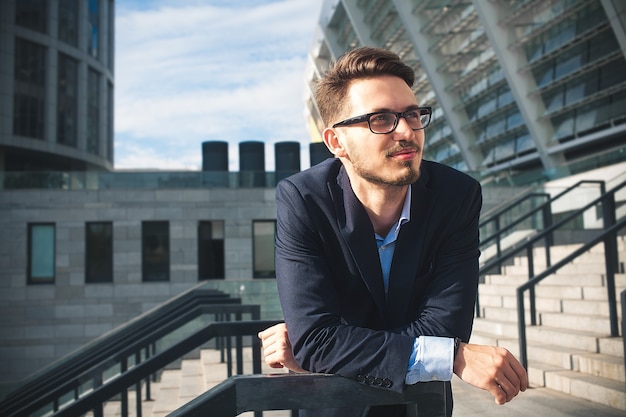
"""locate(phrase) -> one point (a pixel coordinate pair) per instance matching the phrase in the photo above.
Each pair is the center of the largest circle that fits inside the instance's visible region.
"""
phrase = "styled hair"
(356, 64)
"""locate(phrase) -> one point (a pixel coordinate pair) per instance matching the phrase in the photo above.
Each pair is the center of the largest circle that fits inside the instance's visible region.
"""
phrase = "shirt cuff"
(432, 359)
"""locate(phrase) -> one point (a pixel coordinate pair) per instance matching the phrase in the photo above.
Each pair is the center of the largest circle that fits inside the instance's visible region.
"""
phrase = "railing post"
(623, 299)
(521, 328)
(531, 292)
(147, 350)
(138, 386)
(610, 258)
(124, 394)
(547, 223)
(498, 246)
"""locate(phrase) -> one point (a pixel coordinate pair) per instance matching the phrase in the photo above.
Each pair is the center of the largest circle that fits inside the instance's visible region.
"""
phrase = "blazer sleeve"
(322, 340)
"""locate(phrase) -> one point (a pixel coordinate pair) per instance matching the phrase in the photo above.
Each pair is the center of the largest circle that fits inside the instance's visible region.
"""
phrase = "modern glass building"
(56, 85)
(517, 86)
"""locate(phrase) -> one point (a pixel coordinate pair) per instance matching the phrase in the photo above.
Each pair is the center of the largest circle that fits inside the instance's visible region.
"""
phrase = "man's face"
(383, 159)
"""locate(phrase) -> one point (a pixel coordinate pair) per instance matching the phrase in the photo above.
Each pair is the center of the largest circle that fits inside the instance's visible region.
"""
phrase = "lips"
(404, 152)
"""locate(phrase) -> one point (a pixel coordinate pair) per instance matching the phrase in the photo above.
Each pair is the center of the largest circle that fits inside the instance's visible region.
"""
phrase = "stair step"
(592, 388)
(575, 321)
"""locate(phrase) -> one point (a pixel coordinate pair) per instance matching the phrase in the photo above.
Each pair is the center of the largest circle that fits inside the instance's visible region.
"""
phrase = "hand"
(491, 368)
(277, 348)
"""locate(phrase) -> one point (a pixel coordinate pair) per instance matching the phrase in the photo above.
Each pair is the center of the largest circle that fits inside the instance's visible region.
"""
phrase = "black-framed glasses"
(382, 122)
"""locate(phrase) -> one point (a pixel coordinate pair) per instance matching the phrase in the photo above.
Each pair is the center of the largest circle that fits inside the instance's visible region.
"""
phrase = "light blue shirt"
(432, 357)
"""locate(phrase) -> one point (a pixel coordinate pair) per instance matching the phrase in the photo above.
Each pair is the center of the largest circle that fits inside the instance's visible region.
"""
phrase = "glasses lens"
(382, 122)
(417, 119)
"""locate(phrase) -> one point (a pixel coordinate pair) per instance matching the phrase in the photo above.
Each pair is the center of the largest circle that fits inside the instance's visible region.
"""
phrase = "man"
(377, 250)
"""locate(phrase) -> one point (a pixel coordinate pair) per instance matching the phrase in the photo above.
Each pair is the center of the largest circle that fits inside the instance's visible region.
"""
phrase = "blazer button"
(378, 382)
(360, 378)
(369, 380)
(387, 383)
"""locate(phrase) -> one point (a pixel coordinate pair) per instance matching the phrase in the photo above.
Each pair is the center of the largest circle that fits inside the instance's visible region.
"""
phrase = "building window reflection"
(155, 253)
(41, 253)
(68, 21)
(210, 250)
(67, 100)
(93, 110)
(99, 252)
(93, 40)
(263, 232)
(32, 14)
(29, 89)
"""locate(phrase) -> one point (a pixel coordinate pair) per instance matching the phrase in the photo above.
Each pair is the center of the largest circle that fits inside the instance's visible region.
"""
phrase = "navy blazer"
(330, 281)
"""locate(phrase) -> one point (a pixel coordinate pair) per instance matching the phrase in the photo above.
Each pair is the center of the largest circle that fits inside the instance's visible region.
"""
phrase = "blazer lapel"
(358, 233)
(408, 254)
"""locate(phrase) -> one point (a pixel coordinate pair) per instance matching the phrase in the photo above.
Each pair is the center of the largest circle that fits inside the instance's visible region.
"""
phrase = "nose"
(403, 131)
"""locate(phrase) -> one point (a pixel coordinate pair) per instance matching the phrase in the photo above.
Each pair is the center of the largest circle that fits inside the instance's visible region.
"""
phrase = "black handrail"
(244, 393)
(608, 208)
(103, 346)
(607, 200)
(94, 399)
(546, 211)
(605, 237)
(140, 335)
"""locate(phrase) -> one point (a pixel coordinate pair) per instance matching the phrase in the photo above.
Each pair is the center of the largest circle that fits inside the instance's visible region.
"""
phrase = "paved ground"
(535, 402)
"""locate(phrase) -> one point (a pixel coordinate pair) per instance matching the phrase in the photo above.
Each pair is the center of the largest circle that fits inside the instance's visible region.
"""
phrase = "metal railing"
(608, 235)
(544, 210)
(609, 239)
(257, 393)
(77, 373)
(494, 265)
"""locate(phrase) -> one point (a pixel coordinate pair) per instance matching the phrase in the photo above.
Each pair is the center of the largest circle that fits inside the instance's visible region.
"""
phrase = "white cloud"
(189, 74)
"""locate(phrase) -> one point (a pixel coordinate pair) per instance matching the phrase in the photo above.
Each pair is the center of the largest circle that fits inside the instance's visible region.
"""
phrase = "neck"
(383, 204)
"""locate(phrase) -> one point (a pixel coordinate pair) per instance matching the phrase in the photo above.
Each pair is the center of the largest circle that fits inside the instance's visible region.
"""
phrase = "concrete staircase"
(570, 350)
(180, 385)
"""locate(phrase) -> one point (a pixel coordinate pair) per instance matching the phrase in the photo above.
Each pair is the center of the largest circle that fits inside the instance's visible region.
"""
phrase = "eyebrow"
(411, 107)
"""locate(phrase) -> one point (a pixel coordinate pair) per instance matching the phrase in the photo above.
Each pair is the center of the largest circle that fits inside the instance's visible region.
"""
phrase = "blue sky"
(196, 70)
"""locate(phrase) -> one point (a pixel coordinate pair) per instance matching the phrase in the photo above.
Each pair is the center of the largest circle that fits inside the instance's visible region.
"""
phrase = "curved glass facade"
(515, 85)
(56, 85)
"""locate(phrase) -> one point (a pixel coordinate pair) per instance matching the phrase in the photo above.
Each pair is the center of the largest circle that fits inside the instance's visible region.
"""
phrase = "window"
(67, 100)
(29, 95)
(32, 14)
(93, 33)
(99, 252)
(263, 232)
(109, 127)
(68, 21)
(41, 253)
(155, 254)
(210, 250)
(93, 109)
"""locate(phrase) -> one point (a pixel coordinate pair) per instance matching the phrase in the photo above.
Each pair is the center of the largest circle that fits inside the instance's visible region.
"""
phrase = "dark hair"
(359, 63)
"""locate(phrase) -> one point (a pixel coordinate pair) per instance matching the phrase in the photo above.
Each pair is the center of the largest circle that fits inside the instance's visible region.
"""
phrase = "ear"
(333, 143)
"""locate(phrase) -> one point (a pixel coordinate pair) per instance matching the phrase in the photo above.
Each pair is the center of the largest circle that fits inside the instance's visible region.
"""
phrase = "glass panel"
(110, 130)
(514, 119)
(93, 33)
(41, 253)
(524, 143)
(210, 250)
(506, 97)
(263, 248)
(612, 74)
(29, 89)
(155, 237)
(563, 126)
(68, 21)
(32, 14)
(99, 252)
(93, 110)
(67, 100)
(554, 99)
